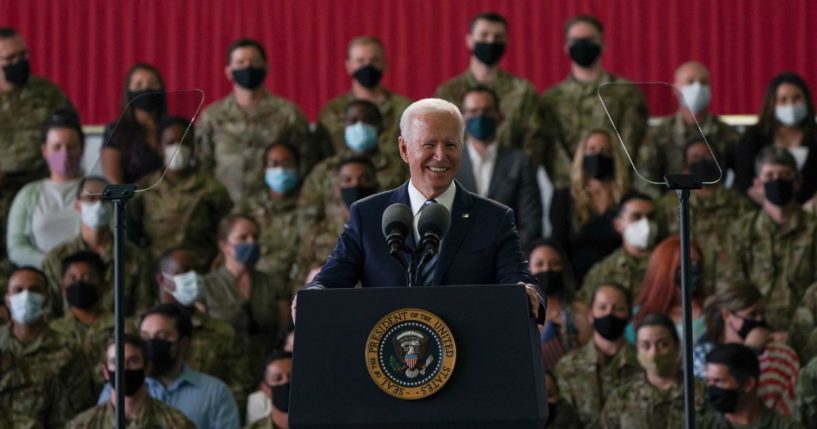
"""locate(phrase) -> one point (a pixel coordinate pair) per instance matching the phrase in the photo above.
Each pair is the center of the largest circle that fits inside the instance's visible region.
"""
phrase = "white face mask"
(95, 215)
(181, 159)
(640, 234)
(188, 287)
(790, 114)
(26, 307)
(696, 96)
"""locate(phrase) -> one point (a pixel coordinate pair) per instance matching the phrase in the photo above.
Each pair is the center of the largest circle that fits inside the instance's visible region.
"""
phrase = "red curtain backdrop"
(87, 45)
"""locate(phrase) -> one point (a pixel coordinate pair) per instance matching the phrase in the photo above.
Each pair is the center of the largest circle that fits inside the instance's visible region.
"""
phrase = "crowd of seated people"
(248, 203)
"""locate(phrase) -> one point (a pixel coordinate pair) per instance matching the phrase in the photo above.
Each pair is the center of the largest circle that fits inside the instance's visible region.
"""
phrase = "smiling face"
(432, 148)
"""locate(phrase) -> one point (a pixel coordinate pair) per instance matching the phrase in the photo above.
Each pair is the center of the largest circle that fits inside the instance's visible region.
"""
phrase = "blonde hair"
(365, 40)
(579, 180)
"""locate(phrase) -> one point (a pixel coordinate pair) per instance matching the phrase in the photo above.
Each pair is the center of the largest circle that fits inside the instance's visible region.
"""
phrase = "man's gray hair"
(774, 155)
(429, 105)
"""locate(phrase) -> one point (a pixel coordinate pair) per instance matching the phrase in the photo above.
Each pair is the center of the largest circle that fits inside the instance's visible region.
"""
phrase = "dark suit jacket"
(513, 183)
(481, 247)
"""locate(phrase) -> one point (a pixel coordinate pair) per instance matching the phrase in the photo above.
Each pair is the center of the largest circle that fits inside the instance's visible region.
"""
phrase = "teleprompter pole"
(118, 195)
(682, 184)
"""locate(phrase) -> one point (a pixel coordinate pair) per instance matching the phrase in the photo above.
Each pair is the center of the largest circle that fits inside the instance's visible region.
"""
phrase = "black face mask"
(723, 400)
(148, 100)
(368, 76)
(694, 278)
(585, 52)
(705, 169)
(159, 356)
(280, 397)
(18, 73)
(81, 294)
(489, 53)
(610, 327)
(134, 379)
(748, 325)
(249, 77)
(551, 282)
(779, 192)
(350, 195)
(551, 413)
(598, 166)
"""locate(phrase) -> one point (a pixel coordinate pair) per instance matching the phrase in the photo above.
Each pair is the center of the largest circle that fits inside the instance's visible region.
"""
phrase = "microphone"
(397, 224)
(433, 225)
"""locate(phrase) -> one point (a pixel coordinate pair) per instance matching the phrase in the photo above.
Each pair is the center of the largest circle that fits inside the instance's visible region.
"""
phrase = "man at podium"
(481, 245)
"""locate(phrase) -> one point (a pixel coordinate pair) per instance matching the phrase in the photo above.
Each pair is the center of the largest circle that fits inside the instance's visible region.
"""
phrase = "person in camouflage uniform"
(24, 403)
(655, 399)
(806, 407)
(560, 414)
(187, 203)
(25, 103)
(712, 209)
(141, 411)
(636, 222)
(669, 135)
(29, 339)
(587, 375)
(275, 210)
(775, 247)
(575, 101)
(214, 349)
(231, 133)
(732, 373)
(365, 64)
(96, 236)
(486, 39)
(354, 178)
(86, 323)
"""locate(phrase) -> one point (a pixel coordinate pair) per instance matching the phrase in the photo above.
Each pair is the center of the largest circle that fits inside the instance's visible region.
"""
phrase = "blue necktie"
(427, 272)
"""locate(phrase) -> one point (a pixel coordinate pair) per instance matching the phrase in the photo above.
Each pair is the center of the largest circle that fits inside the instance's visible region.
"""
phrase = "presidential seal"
(410, 353)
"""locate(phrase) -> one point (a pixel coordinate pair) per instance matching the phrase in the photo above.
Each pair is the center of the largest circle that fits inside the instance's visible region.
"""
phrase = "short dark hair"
(699, 139)
(741, 361)
(628, 296)
(291, 148)
(245, 43)
(366, 104)
(63, 118)
(661, 320)
(180, 316)
(356, 159)
(276, 354)
(85, 257)
(29, 268)
(8, 33)
(484, 89)
(487, 16)
(130, 339)
(586, 19)
(631, 196)
(164, 258)
(175, 121)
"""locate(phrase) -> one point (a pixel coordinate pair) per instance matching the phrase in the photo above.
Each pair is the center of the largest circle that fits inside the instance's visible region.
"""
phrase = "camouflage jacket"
(586, 378)
(639, 405)
(619, 267)
(183, 213)
(769, 420)
(154, 415)
(27, 404)
(231, 140)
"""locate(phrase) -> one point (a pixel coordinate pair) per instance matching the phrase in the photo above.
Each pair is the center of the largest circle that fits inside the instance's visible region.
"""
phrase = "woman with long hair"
(736, 314)
(786, 120)
(130, 145)
(661, 291)
(582, 215)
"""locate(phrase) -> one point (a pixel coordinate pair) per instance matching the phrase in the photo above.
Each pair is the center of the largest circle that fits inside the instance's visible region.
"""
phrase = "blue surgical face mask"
(247, 254)
(482, 127)
(360, 137)
(281, 180)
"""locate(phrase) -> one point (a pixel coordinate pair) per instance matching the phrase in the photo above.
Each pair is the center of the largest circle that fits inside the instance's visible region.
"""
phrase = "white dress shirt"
(418, 199)
(482, 165)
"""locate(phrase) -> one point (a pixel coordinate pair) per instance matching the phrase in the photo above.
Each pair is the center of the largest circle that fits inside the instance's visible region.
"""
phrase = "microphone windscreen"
(434, 218)
(397, 217)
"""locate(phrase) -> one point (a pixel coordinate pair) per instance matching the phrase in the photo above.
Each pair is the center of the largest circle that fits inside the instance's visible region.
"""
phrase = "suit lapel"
(461, 221)
(466, 174)
(498, 175)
